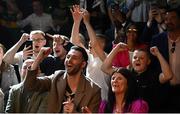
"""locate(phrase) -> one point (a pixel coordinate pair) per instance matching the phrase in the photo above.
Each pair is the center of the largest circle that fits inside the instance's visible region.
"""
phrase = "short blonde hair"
(37, 32)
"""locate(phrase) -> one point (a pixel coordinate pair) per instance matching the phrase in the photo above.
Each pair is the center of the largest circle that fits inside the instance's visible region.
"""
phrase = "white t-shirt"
(95, 73)
(19, 55)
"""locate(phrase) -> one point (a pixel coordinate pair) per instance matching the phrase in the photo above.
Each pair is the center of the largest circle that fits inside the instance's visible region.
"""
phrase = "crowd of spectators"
(107, 56)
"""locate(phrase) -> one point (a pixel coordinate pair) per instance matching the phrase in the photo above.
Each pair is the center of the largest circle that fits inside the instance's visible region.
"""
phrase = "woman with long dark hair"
(122, 94)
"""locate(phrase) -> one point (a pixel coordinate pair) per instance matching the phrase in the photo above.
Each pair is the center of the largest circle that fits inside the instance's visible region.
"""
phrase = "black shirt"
(50, 64)
(149, 88)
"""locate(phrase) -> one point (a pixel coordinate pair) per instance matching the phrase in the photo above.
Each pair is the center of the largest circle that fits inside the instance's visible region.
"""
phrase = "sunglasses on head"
(132, 30)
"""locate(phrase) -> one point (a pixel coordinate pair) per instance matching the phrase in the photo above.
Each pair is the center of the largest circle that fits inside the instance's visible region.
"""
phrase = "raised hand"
(86, 16)
(44, 52)
(24, 37)
(152, 14)
(154, 50)
(122, 46)
(76, 13)
(158, 18)
(57, 38)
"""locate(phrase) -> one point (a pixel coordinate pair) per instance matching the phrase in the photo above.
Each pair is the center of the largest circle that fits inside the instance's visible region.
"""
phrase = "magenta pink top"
(137, 106)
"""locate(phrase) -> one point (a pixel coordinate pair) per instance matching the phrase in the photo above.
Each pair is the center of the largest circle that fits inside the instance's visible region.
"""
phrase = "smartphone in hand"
(28, 43)
(154, 8)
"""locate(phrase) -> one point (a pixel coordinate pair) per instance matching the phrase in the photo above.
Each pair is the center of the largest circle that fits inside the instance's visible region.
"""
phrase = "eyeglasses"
(38, 40)
(173, 47)
(132, 30)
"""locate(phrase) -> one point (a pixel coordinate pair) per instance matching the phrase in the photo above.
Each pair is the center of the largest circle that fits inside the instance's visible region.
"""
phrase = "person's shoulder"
(160, 36)
(19, 54)
(102, 106)
(9, 68)
(46, 15)
(139, 106)
(159, 39)
(49, 58)
(31, 16)
(48, 62)
(17, 86)
(58, 74)
(91, 88)
(92, 84)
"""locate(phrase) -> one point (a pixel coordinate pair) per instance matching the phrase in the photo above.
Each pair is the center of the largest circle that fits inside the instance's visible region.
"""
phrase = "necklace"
(173, 43)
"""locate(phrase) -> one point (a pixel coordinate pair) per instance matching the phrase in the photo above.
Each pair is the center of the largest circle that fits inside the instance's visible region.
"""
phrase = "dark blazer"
(149, 32)
(87, 94)
(161, 41)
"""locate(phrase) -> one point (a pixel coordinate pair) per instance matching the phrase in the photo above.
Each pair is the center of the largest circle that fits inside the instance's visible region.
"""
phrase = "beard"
(172, 27)
(73, 70)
